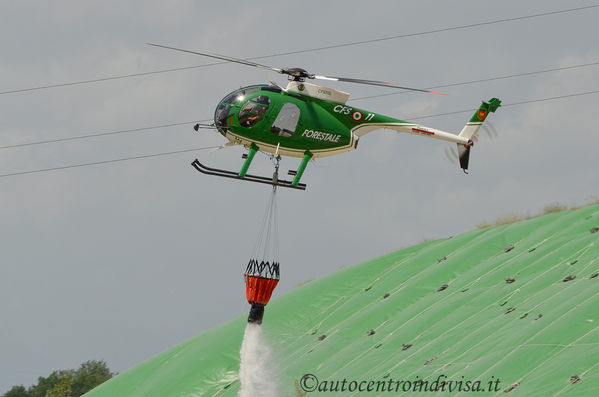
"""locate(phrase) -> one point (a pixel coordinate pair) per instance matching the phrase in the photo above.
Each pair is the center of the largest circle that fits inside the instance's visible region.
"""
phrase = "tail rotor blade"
(451, 154)
(490, 130)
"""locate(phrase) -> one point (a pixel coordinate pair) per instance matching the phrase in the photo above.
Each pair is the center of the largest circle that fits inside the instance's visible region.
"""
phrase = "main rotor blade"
(221, 57)
(373, 82)
(296, 73)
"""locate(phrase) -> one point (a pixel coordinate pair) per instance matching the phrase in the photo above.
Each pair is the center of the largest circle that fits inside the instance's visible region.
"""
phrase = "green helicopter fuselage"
(291, 123)
(310, 121)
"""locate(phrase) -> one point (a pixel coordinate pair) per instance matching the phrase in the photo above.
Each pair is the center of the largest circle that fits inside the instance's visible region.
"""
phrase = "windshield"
(240, 94)
(253, 111)
(224, 107)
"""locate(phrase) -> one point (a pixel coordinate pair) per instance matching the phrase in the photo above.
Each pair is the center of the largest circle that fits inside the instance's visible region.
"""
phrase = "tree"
(62, 389)
(67, 382)
(17, 391)
(89, 375)
(44, 385)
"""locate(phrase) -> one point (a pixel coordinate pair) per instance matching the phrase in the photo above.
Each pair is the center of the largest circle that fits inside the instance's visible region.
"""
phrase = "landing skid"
(250, 178)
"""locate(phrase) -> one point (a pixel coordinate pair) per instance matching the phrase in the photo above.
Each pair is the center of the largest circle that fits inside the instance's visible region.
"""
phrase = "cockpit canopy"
(251, 113)
(240, 94)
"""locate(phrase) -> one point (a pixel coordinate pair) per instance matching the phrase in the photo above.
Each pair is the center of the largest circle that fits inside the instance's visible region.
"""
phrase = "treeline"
(66, 382)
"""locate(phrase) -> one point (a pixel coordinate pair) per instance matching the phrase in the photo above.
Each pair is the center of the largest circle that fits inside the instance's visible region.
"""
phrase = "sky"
(119, 261)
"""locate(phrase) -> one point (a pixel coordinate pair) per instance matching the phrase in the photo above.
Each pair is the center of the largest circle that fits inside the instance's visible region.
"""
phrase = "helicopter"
(309, 121)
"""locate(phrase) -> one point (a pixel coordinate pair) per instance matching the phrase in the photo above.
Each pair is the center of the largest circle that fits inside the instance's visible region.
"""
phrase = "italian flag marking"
(357, 115)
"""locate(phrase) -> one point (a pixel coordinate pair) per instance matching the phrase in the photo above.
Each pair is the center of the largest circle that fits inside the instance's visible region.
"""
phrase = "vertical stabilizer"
(472, 127)
(479, 117)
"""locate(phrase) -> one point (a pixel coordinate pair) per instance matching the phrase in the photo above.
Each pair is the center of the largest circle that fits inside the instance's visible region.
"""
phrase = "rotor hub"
(298, 74)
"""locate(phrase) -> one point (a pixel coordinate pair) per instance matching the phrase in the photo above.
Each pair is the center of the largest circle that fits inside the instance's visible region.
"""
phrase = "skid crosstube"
(250, 178)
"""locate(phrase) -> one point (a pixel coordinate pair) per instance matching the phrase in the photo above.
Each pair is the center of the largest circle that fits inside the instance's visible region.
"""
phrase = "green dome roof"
(514, 307)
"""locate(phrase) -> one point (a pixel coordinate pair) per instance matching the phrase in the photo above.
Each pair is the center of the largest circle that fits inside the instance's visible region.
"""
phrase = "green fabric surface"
(536, 332)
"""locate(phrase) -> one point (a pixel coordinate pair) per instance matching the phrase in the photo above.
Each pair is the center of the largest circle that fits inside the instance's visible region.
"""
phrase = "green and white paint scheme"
(310, 121)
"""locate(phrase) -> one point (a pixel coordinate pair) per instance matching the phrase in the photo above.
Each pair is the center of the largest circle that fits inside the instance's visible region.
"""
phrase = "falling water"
(255, 373)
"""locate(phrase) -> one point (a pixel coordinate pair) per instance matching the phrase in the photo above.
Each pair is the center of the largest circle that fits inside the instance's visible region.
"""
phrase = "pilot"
(249, 117)
(263, 100)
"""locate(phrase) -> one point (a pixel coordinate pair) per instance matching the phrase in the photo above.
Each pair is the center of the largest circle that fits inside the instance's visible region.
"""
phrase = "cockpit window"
(286, 121)
(253, 111)
(220, 117)
(223, 114)
(240, 95)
